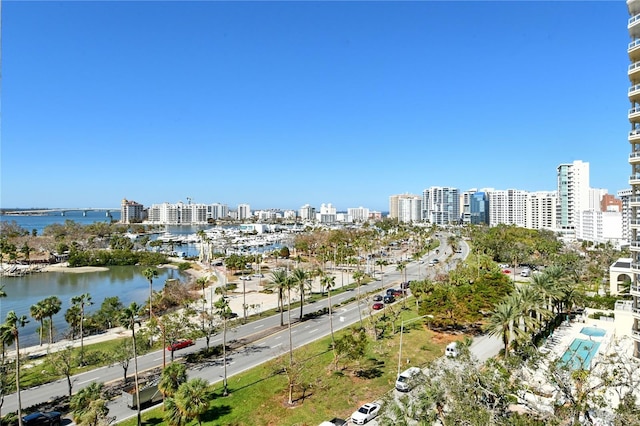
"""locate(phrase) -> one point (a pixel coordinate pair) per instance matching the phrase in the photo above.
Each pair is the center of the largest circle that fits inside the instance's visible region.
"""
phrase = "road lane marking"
(275, 346)
(258, 326)
(313, 331)
(87, 381)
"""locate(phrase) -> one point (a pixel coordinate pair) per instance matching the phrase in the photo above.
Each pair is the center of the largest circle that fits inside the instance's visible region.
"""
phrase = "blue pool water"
(593, 331)
(580, 353)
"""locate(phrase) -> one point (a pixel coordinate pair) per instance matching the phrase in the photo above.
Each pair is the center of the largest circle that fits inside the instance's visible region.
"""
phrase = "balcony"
(635, 311)
(635, 290)
(634, 93)
(634, 70)
(634, 179)
(634, 157)
(634, 114)
(634, 26)
(635, 334)
(634, 201)
(634, 50)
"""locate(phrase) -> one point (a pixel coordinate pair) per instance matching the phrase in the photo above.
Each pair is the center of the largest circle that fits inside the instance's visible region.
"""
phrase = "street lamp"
(402, 332)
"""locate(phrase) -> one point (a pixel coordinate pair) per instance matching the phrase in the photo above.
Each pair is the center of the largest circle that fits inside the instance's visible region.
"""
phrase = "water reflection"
(126, 282)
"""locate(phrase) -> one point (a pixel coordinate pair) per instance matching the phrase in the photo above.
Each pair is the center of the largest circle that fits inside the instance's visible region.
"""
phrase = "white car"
(365, 413)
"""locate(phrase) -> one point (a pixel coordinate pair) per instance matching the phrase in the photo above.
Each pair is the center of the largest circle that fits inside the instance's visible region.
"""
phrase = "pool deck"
(557, 344)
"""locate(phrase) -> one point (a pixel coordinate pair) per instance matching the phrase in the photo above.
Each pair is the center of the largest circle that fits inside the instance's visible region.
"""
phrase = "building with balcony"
(574, 195)
(508, 207)
(131, 212)
(307, 212)
(633, 51)
(479, 208)
(441, 205)
(405, 207)
(244, 211)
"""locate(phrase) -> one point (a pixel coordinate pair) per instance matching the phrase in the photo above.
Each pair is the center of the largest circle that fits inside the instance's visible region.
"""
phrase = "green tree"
(122, 354)
(501, 323)
(150, 274)
(37, 313)
(328, 282)
(12, 325)
(88, 406)
(128, 320)
(51, 306)
(278, 282)
(81, 302)
(62, 362)
(172, 376)
(300, 279)
(192, 399)
(223, 310)
(358, 276)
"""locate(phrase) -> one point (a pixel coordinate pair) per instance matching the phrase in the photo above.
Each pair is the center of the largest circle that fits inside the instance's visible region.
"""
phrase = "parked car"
(390, 291)
(405, 380)
(525, 273)
(258, 275)
(365, 413)
(451, 350)
(405, 284)
(48, 418)
(398, 292)
(377, 298)
(180, 344)
(377, 306)
(388, 299)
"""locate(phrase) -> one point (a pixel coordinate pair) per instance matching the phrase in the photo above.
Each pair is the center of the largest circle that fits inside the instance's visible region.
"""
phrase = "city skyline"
(282, 104)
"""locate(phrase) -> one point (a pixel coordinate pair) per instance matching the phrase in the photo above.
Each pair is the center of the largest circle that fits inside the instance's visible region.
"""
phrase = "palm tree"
(222, 308)
(300, 279)
(289, 283)
(171, 378)
(192, 399)
(12, 326)
(82, 301)
(37, 313)
(358, 276)
(381, 263)
(88, 406)
(279, 283)
(150, 274)
(2, 295)
(52, 305)
(328, 281)
(531, 306)
(501, 323)
(128, 320)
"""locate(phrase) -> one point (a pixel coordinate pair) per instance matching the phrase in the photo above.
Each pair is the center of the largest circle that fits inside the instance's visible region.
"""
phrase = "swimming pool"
(580, 353)
(593, 331)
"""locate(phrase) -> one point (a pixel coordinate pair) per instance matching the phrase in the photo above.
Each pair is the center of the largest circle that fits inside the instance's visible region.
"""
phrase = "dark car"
(390, 291)
(377, 306)
(180, 344)
(377, 298)
(405, 284)
(389, 299)
(49, 418)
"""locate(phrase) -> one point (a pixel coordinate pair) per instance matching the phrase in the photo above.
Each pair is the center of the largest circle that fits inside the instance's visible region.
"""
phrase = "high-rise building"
(541, 210)
(573, 196)
(441, 205)
(403, 207)
(625, 196)
(479, 208)
(327, 214)
(244, 211)
(610, 203)
(217, 211)
(131, 212)
(508, 207)
(465, 205)
(358, 214)
(634, 160)
(307, 212)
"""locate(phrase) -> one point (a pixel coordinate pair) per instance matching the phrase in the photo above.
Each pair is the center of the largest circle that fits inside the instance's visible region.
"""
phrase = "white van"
(451, 350)
(405, 380)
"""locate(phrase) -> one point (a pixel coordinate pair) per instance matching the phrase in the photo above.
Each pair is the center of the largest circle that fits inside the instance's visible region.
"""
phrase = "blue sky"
(279, 104)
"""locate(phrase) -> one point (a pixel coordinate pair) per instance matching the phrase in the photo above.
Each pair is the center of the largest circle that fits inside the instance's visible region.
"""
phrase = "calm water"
(40, 222)
(126, 282)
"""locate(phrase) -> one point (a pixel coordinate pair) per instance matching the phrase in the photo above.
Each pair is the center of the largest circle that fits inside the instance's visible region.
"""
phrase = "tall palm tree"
(37, 312)
(278, 282)
(52, 305)
(222, 308)
(150, 274)
(531, 306)
(13, 325)
(3, 294)
(82, 301)
(328, 282)
(358, 275)
(300, 279)
(289, 283)
(128, 320)
(501, 323)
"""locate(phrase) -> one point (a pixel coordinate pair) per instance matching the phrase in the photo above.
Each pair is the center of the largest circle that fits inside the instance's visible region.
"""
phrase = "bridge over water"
(62, 211)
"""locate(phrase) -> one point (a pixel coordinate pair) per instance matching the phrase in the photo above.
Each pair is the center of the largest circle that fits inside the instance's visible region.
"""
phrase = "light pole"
(402, 332)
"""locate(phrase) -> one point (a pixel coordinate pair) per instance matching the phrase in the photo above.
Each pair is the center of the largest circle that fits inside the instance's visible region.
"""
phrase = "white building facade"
(508, 206)
(441, 205)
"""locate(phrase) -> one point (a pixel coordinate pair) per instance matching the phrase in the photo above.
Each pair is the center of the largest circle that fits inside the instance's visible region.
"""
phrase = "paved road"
(257, 352)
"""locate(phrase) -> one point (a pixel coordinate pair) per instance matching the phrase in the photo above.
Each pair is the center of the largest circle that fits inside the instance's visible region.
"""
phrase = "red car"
(180, 344)
(377, 306)
(506, 271)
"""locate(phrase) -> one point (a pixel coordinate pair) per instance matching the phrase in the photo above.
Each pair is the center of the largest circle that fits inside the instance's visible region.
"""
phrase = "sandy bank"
(64, 267)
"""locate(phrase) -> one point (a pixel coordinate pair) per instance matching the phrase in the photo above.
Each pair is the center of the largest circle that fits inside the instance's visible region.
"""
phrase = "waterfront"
(39, 222)
(126, 282)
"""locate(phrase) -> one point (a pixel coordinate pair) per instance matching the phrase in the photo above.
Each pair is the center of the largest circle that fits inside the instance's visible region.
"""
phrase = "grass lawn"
(260, 396)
